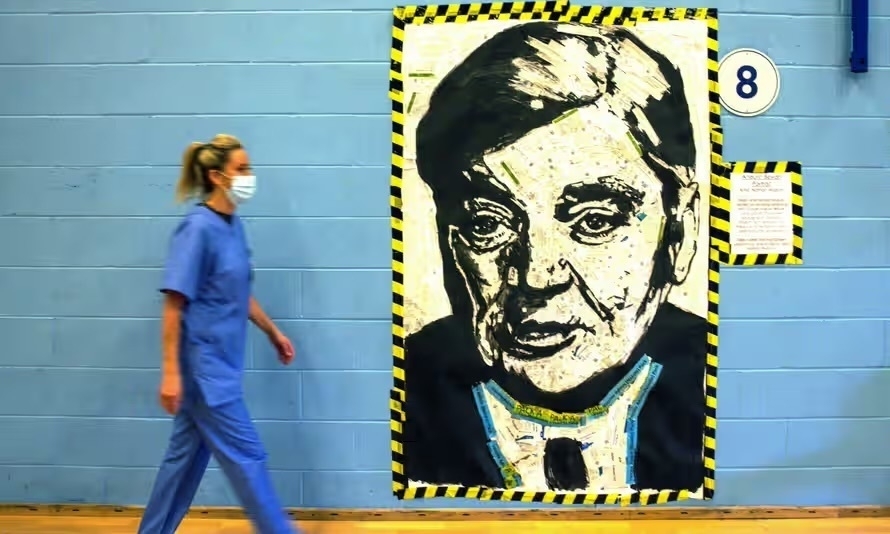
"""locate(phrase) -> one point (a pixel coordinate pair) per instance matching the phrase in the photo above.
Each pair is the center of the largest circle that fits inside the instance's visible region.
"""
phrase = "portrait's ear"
(683, 250)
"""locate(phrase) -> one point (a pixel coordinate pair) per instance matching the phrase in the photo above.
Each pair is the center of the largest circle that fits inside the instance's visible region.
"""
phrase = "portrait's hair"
(527, 76)
(512, 84)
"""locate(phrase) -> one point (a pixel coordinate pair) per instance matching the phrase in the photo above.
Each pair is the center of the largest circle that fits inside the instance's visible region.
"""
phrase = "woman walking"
(207, 303)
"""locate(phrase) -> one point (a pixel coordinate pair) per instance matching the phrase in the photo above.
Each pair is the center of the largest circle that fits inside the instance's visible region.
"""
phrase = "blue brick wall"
(99, 97)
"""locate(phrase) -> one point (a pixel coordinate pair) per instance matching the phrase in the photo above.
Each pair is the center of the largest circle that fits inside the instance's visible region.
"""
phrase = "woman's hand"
(171, 392)
(283, 347)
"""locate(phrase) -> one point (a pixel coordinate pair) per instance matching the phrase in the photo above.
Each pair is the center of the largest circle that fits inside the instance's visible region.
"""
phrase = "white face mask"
(242, 190)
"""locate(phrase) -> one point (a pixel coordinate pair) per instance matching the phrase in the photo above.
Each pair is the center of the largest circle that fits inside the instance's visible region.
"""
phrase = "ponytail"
(191, 177)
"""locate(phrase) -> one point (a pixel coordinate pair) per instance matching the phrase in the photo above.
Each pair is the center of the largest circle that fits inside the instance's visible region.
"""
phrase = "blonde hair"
(198, 160)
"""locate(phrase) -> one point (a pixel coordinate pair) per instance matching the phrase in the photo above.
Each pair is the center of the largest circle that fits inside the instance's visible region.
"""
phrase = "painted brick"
(354, 243)
(735, 451)
(101, 342)
(288, 243)
(767, 344)
(66, 292)
(846, 192)
(838, 442)
(346, 294)
(149, 6)
(276, 140)
(831, 92)
(124, 486)
(127, 393)
(282, 191)
(135, 343)
(136, 90)
(795, 293)
(367, 398)
(817, 40)
(79, 292)
(26, 341)
(797, 487)
(798, 393)
(85, 242)
(280, 293)
(90, 442)
(295, 243)
(818, 141)
(329, 345)
(850, 243)
(172, 38)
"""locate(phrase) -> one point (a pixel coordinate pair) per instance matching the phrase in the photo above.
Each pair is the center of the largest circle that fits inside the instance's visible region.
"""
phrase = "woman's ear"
(216, 177)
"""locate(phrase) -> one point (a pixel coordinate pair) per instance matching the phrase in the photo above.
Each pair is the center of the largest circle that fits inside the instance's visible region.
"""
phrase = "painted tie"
(564, 466)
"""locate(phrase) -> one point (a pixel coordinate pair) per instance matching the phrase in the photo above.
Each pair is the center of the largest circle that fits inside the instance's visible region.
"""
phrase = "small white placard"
(760, 217)
(749, 82)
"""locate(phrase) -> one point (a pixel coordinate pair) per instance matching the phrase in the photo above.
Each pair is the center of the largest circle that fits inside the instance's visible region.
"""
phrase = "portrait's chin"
(563, 369)
(549, 376)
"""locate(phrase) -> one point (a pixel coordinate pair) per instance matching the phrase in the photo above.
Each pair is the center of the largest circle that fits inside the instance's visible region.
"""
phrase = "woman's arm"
(282, 344)
(171, 325)
(261, 320)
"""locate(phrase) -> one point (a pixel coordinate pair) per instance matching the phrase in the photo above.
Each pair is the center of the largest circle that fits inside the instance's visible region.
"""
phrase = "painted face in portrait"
(558, 258)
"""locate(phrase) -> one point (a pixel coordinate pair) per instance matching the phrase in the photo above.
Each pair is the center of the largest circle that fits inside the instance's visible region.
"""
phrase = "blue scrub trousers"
(227, 432)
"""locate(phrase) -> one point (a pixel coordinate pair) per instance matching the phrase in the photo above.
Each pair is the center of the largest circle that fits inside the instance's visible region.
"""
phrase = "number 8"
(747, 76)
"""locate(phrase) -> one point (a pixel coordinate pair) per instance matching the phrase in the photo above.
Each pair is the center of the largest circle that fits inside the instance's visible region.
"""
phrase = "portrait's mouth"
(531, 340)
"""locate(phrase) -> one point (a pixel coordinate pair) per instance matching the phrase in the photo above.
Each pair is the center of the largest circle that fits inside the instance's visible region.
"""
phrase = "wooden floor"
(37, 524)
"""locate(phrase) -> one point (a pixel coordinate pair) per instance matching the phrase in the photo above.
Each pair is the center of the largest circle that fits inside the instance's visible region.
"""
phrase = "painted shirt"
(604, 436)
(209, 264)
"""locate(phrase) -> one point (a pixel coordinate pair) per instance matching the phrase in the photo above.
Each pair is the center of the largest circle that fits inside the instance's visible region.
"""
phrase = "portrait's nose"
(546, 267)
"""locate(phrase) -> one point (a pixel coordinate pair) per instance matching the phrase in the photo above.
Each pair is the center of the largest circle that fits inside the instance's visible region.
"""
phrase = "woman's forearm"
(171, 324)
(260, 319)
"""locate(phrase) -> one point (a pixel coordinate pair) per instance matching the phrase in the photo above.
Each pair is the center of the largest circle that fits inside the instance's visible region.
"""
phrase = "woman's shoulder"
(194, 225)
(197, 216)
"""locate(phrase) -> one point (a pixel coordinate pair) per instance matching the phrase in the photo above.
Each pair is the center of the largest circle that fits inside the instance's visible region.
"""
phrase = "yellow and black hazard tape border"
(721, 206)
(542, 10)
(459, 13)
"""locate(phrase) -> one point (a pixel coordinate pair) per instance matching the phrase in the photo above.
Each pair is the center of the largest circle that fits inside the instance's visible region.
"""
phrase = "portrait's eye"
(596, 225)
(487, 227)
(484, 226)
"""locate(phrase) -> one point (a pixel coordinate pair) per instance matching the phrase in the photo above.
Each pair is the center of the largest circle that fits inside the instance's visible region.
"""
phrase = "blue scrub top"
(209, 264)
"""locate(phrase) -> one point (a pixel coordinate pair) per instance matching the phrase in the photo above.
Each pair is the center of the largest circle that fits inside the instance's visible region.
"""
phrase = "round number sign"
(749, 82)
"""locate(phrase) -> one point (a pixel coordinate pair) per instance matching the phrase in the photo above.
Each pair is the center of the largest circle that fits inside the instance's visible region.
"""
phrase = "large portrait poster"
(555, 298)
